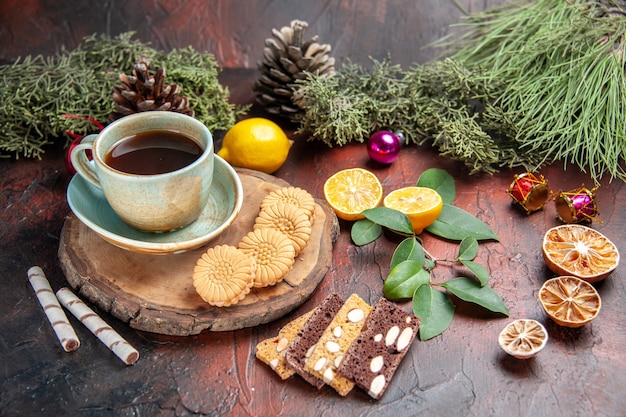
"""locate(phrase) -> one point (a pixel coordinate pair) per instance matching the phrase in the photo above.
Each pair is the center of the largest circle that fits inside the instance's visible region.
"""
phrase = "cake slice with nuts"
(302, 347)
(335, 341)
(375, 355)
(272, 351)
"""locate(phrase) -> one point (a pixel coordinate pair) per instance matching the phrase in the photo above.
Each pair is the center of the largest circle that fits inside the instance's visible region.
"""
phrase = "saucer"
(90, 205)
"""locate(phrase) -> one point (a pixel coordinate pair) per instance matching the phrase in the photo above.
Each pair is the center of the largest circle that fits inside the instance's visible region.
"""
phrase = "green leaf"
(434, 308)
(468, 249)
(440, 181)
(365, 231)
(477, 269)
(390, 218)
(469, 290)
(404, 279)
(456, 224)
(408, 249)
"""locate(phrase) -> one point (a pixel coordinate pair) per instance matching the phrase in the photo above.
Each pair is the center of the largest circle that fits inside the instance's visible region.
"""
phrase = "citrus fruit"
(421, 205)
(573, 249)
(569, 301)
(523, 338)
(255, 143)
(352, 190)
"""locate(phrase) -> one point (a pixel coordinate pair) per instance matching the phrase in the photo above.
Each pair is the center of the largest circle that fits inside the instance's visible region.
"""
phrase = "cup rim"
(153, 114)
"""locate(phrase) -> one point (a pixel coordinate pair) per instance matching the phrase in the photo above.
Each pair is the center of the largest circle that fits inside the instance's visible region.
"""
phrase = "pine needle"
(561, 65)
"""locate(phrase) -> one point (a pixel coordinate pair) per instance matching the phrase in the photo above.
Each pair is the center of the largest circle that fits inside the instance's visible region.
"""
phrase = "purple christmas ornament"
(384, 146)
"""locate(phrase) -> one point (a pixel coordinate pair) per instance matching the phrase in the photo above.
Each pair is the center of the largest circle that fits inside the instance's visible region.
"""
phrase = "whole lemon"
(256, 143)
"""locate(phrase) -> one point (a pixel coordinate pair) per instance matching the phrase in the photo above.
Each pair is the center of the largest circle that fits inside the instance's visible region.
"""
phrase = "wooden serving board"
(155, 293)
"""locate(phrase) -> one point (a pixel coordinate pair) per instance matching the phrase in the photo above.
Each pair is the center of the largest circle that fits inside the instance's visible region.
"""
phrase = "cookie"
(272, 351)
(290, 220)
(373, 358)
(273, 253)
(300, 349)
(335, 342)
(223, 275)
(294, 196)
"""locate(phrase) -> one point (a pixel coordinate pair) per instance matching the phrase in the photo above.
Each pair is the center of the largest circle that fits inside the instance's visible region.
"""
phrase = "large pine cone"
(143, 91)
(286, 59)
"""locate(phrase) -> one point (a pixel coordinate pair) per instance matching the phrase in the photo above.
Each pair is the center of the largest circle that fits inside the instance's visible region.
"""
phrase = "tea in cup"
(155, 168)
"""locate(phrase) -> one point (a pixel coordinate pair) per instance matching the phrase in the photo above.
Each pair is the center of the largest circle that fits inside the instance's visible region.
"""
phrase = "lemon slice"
(351, 191)
(580, 251)
(421, 205)
(569, 301)
(523, 338)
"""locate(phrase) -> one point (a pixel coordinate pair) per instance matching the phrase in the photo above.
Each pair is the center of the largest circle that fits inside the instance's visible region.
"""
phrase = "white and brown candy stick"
(116, 343)
(55, 314)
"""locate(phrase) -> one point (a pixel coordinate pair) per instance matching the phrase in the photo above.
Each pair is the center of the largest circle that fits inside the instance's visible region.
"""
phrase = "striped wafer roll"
(55, 314)
(116, 343)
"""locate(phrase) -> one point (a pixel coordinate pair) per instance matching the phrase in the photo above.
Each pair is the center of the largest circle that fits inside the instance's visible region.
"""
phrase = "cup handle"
(80, 162)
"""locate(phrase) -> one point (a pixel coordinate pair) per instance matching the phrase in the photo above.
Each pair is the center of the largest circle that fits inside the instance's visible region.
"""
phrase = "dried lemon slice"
(291, 195)
(569, 301)
(290, 220)
(523, 338)
(273, 252)
(580, 251)
(223, 275)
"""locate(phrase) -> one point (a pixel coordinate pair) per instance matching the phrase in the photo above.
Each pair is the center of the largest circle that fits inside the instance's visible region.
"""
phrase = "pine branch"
(443, 104)
(38, 91)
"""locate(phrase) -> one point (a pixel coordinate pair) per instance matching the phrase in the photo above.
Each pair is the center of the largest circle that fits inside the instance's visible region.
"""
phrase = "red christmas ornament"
(576, 206)
(529, 191)
(384, 146)
(77, 138)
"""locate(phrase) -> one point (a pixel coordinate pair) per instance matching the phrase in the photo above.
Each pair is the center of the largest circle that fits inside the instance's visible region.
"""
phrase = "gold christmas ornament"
(287, 57)
(143, 91)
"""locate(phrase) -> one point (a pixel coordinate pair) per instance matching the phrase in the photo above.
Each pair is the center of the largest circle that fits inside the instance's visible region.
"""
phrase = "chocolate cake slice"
(300, 349)
(374, 356)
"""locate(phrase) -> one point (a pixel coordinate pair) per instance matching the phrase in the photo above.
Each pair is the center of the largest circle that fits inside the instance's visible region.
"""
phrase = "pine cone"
(145, 92)
(286, 59)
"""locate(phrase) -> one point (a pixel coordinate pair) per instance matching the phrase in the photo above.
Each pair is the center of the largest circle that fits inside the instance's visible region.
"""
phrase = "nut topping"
(282, 344)
(377, 386)
(405, 339)
(392, 335)
(377, 364)
(337, 331)
(356, 315)
(332, 347)
(319, 364)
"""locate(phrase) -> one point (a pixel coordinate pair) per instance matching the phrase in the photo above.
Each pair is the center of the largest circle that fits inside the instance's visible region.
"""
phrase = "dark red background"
(581, 372)
(235, 30)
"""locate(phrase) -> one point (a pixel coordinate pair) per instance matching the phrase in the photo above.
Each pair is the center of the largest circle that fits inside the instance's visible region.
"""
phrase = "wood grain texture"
(155, 293)
(235, 30)
(463, 372)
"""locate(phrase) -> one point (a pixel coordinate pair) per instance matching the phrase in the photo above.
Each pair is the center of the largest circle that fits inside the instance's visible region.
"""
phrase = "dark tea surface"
(153, 152)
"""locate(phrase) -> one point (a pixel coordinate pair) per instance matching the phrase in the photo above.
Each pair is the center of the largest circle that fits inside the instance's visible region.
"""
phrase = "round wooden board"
(155, 292)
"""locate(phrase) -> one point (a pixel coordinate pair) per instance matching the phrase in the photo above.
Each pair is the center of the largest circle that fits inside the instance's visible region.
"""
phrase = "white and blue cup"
(160, 202)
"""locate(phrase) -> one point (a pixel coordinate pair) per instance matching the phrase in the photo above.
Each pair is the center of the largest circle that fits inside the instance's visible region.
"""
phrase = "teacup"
(155, 168)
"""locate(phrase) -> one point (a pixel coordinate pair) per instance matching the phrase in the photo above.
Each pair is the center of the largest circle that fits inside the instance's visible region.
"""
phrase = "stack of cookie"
(224, 274)
(343, 344)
